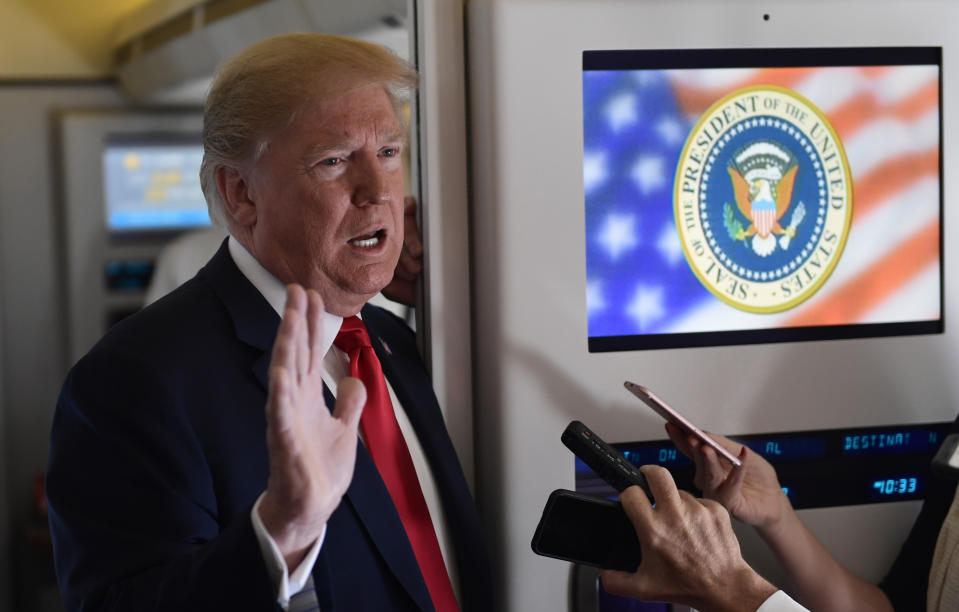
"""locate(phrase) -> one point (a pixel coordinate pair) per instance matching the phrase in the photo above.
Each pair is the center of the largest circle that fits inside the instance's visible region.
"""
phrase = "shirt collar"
(273, 290)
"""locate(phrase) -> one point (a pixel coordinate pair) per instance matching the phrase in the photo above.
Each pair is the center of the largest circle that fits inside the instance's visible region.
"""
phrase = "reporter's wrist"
(747, 590)
(782, 526)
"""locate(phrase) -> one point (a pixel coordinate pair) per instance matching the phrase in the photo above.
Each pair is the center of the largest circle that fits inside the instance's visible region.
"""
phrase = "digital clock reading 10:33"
(895, 486)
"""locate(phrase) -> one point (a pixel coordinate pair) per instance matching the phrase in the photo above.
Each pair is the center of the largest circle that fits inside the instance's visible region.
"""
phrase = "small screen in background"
(152, 184)
(761, 195)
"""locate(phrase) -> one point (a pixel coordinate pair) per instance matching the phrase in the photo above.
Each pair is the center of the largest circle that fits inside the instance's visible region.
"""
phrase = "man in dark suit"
(170, 487)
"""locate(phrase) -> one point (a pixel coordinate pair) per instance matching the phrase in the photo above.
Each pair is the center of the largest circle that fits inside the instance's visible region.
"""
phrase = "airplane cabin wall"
(31, 271)
(533, 369)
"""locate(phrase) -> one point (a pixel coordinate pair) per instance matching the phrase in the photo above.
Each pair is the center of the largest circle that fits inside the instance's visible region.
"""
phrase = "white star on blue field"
(638, 281)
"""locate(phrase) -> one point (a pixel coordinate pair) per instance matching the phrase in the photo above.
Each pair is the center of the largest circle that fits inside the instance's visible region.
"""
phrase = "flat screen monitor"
(739, 196)
(152, 184)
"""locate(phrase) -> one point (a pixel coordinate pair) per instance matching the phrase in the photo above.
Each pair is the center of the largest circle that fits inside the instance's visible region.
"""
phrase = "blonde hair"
(260, 91)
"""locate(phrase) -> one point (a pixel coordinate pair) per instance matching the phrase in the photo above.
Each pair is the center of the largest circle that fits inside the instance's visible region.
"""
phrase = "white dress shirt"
(336, 366)
(780, 602)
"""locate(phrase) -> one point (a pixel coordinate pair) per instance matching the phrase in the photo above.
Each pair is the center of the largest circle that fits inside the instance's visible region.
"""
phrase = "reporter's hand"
(402, 288)
(312, 452)
(690, 554)
(751, 492)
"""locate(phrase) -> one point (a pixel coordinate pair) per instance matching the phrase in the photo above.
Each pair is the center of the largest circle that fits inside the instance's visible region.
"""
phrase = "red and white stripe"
(764, 221)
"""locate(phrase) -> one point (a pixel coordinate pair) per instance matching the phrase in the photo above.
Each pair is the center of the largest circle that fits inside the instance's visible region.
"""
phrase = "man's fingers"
(410, 264)
(408, 267)
(283, 364)
(295, 300)
(350, 399)
(301, 340)
(293, 332)
(402, 288)
(409, 205)
(314, 317)
(279, 413)
(284, 347)
(411, 231)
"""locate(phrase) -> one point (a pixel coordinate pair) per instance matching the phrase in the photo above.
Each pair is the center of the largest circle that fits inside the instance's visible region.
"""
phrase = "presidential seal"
(763, 199)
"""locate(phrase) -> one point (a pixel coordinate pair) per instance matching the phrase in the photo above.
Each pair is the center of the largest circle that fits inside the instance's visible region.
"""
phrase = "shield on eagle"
(763, 174)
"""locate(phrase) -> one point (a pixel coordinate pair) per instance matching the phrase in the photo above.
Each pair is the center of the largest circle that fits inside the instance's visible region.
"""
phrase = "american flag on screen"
(636, 123)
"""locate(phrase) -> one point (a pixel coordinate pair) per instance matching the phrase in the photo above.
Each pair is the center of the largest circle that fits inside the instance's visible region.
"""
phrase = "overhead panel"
(165, 56)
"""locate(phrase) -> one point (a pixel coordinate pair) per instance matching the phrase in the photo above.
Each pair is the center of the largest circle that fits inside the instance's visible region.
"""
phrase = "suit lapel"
(254, 320)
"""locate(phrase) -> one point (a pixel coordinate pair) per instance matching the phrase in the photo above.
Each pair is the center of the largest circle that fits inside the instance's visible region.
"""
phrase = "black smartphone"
(608, 463)
(587, 529)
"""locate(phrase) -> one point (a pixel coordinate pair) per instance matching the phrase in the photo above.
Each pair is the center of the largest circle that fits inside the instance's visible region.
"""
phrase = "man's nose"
(371, 182)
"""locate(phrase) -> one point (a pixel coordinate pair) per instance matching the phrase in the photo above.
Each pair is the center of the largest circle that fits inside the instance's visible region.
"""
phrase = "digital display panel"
(760, 195)
(152, 183)
(819, 468)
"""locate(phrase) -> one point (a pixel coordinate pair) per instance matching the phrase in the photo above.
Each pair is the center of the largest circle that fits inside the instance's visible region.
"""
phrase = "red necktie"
(386, 445)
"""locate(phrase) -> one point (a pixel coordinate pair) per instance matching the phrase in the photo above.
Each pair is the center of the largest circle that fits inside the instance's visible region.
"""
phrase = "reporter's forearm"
(819, 581)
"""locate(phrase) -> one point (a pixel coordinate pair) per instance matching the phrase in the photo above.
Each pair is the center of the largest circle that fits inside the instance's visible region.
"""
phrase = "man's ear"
(235, 191)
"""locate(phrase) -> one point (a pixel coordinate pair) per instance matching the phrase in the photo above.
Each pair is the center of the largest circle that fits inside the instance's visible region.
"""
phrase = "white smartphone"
(662, 409)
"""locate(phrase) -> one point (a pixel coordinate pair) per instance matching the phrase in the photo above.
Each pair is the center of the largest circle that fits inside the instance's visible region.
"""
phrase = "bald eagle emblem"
(763, 174)
(763, 199)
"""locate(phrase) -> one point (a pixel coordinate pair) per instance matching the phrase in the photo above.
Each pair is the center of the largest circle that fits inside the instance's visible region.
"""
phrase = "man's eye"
(333, 161)
(391, 152)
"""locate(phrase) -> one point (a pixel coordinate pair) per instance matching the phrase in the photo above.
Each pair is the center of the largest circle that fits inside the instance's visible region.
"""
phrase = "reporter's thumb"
(729, 489)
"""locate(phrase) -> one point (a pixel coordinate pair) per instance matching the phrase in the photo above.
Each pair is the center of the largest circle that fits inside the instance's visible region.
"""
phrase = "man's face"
(329, 199)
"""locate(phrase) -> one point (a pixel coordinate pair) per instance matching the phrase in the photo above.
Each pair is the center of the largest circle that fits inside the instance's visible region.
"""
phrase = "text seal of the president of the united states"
(763, 199)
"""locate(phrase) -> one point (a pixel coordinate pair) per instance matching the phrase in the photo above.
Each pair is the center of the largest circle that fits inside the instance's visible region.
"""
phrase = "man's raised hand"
(312, 452)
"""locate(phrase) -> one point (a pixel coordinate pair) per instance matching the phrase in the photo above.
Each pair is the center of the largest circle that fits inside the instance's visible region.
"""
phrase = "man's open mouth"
(367, 241)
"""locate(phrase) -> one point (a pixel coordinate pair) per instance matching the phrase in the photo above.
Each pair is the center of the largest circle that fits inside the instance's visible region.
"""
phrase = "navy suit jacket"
(158, 452)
